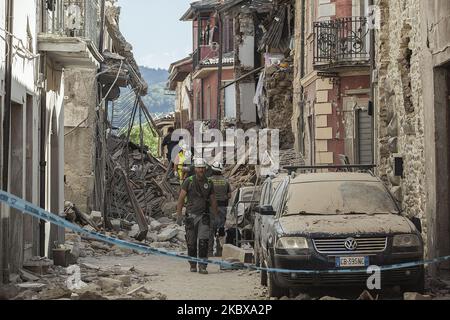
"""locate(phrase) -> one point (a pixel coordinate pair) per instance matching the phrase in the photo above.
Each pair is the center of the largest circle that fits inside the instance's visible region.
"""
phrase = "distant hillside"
(157, 101)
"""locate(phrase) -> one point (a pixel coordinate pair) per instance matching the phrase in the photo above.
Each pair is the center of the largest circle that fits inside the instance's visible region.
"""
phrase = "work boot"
(202, 270)
(193, 267)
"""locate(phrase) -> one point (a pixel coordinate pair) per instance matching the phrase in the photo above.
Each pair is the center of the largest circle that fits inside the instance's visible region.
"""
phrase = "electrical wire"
(101, 102)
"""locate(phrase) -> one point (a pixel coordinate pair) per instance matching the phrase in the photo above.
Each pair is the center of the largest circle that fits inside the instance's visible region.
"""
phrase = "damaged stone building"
(413, 117)
(57, 80)
(332, 122)
(254, 89)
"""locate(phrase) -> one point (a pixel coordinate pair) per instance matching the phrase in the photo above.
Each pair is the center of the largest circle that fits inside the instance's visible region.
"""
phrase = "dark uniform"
(221, 188)
(198, 220)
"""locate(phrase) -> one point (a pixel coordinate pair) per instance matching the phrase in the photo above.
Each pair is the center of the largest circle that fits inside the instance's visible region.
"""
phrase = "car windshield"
(339, 198)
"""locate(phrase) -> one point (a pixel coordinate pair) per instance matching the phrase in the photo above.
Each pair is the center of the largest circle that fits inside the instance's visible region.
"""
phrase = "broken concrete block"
(122, 251)
(100, 246)
(232, 252)
(303, 296)
(152, 237)
(89, 228)
(32, 286)
(167, 234)
(28, 276)
(109, 285)
(96, 217)
(134, 231)
(116, 225)
(165, 220)
(155, 225)
(330, 298)
(181, 236)
(160, 245)
(415, 296)
(89, 266)
(122, 235)
(126, 280)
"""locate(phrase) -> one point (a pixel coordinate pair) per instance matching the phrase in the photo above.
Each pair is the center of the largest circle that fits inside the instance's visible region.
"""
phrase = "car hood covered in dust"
(345, 224)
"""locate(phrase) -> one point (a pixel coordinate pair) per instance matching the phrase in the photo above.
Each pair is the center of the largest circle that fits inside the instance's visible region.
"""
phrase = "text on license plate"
(343, 262)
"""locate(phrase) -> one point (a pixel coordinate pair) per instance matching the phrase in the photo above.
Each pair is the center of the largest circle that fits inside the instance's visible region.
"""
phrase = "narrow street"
(307, 141)
(171, 277)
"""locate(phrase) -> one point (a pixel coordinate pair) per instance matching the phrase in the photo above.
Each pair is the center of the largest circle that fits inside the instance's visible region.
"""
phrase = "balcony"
(206, 60)
(341, 43)
(71, 32)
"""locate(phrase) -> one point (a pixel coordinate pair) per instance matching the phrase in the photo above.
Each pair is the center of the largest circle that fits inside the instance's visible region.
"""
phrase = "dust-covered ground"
(171, 277)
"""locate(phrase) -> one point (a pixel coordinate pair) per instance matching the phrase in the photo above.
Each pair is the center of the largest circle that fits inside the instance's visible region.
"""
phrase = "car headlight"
(292, 243)
(406, 241)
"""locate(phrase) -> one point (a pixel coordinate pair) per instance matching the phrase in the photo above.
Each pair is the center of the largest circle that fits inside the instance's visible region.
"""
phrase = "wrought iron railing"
(73, 18)
(342, 41)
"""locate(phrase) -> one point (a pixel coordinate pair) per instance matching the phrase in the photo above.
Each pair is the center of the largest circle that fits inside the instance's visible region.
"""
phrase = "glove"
(180, 221)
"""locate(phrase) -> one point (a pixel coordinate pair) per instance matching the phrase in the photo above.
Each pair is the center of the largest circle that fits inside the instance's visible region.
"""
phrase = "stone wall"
(400, 103)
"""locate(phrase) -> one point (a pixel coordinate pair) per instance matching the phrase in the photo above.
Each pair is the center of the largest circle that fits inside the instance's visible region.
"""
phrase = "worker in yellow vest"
(182, 161)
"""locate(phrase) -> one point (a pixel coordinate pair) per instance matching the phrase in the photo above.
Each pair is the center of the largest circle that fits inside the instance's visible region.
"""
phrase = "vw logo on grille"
(351, 244)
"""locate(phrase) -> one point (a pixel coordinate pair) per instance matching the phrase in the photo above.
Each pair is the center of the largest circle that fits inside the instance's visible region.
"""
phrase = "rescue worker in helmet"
(223, 193)
(200, 194)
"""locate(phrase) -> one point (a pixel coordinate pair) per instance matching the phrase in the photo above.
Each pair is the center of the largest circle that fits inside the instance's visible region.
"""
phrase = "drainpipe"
(372, 85)
(7, 133)
(42, 162)
(219, 76)
(302, 75)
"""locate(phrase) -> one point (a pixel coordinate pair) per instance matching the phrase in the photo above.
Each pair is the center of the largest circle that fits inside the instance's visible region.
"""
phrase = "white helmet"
(217, 167)
(200, 163)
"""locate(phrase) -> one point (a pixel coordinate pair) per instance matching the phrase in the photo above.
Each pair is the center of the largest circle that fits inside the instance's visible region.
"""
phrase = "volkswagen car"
(337, 221)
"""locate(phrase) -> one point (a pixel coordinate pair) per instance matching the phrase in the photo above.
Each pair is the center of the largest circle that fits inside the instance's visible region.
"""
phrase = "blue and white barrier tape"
(33, 210)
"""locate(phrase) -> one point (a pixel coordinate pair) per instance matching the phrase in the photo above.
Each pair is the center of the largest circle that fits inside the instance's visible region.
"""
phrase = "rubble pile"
(95, 283)
(146, 177)
(163, 233)
(278, 99)
(240, 176)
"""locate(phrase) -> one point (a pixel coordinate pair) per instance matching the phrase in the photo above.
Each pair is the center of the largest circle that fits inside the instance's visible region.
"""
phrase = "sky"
(154, 29)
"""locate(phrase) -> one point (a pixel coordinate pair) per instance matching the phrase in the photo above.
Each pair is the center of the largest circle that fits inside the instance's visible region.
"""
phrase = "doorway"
(442, 119)
(17, 162)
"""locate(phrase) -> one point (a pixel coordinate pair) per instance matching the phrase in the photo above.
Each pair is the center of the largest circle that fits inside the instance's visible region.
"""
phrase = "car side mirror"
(265, 210)
(417, 223)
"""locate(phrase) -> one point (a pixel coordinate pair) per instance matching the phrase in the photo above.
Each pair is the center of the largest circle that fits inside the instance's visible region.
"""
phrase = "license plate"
(345, 262)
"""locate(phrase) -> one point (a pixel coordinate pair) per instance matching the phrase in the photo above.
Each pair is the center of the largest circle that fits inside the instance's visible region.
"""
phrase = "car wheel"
(263, 274)
(275, 291)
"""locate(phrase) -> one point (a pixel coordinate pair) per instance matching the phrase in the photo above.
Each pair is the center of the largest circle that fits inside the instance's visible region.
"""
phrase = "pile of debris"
(163, 233)
(241, 175)
(93, 283)
(278, 85)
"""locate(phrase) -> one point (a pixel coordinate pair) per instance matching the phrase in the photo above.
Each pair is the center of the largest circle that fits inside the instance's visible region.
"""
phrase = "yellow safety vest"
(181, 161)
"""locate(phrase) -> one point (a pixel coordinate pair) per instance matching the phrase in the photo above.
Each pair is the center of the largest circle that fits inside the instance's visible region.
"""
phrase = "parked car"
(267, 190)
(242, 203)
(337, 221)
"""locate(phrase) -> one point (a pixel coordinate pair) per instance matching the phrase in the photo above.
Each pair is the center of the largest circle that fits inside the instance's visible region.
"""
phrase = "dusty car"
(241, 214)
(267, 190)
(337, 221)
